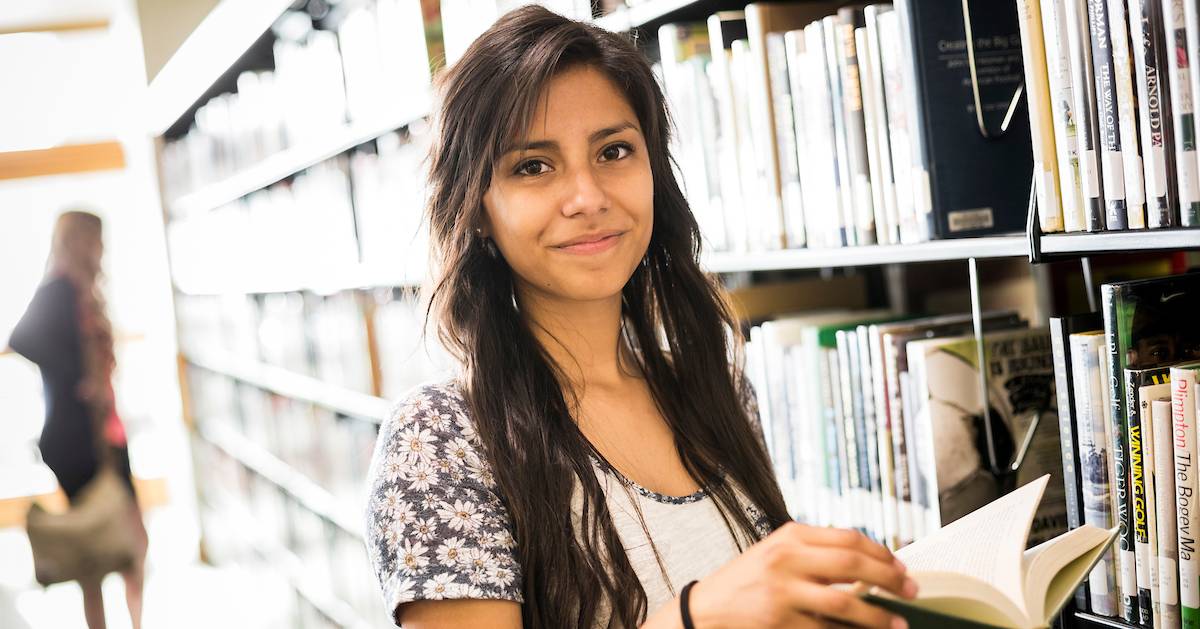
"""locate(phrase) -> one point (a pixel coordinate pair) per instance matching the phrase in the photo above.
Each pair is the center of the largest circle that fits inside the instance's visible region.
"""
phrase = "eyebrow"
(551, 144)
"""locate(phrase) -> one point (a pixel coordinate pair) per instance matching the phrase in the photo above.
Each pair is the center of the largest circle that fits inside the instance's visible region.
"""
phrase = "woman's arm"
(47, 327)
(458, 614)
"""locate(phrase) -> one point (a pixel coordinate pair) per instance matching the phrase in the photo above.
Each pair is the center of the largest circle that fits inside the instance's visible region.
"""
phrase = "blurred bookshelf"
(291, 148)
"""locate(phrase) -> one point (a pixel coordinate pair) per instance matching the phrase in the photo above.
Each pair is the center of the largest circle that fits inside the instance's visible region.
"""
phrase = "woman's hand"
(783, 581)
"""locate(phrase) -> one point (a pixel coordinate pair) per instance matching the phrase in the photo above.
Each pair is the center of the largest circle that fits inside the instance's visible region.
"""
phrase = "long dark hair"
(673, 315)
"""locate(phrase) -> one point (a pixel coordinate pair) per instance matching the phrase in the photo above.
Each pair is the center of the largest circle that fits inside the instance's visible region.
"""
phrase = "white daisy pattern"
(436, 527)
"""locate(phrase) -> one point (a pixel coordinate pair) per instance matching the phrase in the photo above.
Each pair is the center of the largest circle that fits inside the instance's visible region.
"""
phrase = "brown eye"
(616, 151)
(531, 167)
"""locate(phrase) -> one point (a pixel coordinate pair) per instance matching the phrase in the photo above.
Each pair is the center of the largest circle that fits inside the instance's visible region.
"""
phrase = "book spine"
(785, 141)
(1064, 114)
(760, 113)
(1112, 164)
(757, 206)
(1089, 387)
(897, 126)
(801, 82)
(833, 54)
(1183, 111)
(1137, 481)
(895, 404)
(1183, 418)
(732, 201)
(1192, 20)
(1041, 126)
(1120, 456)
(1079, 44)
(1068, 434)
(870, 433)
(822, 153)
(1145, 25)
(871, 114)
(841, 455)
(883, 424)
(887, 175)
(1135, 190)
(1164, 495)
(910, 71)
(852, 432)
(855, 125)
(1150, 476)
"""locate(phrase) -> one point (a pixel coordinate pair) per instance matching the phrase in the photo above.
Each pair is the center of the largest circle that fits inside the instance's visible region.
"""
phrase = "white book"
(898, 129)
(1187, 169)
(1065, 117)
(819, 105)
(1165, 516)
(1135, 187)
(1079, 48)
(872, 93)
(1148, 71)
(845, 179)
(1095, 461)
(1183, 419)
(802, 79)
(1041, 126)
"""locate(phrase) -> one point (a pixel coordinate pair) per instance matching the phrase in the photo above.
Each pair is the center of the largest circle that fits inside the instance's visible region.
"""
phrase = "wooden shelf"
(938, 250)
(296, 386)
(253, 457)
(297, 158)
(209, 52)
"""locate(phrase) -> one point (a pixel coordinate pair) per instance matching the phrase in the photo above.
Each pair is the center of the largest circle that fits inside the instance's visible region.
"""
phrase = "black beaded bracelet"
(684, 613)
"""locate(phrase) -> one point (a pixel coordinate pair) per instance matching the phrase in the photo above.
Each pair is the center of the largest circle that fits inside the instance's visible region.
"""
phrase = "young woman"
(66, 332)
(599, 452)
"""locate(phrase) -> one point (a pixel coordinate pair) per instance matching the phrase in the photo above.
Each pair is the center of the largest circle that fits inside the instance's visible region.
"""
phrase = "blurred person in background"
(66, 332)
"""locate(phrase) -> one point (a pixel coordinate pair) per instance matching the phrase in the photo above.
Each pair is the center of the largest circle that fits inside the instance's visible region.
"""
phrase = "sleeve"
(435, 525)
(45, 332)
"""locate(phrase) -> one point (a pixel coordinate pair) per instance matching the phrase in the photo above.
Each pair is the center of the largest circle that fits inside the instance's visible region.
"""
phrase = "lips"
(593, 243)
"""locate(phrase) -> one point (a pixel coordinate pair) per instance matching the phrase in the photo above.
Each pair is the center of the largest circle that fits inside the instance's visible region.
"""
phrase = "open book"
(976, 571)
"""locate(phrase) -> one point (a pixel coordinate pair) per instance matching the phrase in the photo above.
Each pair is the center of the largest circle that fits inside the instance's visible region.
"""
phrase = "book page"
(1055, 568)
(987, 544)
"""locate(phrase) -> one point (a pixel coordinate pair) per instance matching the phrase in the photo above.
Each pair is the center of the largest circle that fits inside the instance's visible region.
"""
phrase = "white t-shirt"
(437, 529)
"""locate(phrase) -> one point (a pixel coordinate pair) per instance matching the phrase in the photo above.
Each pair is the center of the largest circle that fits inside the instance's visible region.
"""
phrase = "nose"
(586, 194)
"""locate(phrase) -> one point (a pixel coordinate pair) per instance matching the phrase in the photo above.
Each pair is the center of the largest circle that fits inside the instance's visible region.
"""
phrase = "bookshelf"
(296, 386)
(212, 56)
(292, 160)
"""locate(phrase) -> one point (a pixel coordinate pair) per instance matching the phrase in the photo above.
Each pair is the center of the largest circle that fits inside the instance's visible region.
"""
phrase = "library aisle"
(956, 266)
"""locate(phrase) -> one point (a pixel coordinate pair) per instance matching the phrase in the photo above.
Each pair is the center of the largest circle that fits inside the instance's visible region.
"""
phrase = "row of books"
(373, 59)
(876, 421)
(323, 337)
(361, 209)
(1111, 89)
(806, 124)
(246, 518)
(1127, 405)
(329, 449)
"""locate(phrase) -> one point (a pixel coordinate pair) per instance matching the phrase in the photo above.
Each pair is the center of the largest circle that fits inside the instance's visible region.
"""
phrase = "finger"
(846, 538)
(842, 565)
(841, 606)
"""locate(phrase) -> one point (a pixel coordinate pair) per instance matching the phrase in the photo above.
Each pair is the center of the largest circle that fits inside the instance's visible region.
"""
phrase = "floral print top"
(435, 525)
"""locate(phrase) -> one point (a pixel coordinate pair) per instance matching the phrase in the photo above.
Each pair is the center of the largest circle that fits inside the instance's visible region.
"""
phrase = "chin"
(592, 286)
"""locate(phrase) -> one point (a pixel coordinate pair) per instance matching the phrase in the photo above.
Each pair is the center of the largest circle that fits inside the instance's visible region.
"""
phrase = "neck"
(582, 337)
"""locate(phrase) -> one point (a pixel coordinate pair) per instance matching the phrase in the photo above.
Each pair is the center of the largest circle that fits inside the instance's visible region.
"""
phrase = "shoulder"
(436, 527)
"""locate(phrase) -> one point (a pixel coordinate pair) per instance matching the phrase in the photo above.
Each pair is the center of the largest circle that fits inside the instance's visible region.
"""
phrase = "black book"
(1061, 329)
(972, 185)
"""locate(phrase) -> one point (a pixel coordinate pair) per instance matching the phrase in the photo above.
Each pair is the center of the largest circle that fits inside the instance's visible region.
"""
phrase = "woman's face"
(571, 205)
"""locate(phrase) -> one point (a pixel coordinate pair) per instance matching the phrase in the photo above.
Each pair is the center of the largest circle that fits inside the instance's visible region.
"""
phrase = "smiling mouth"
(592, 246)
